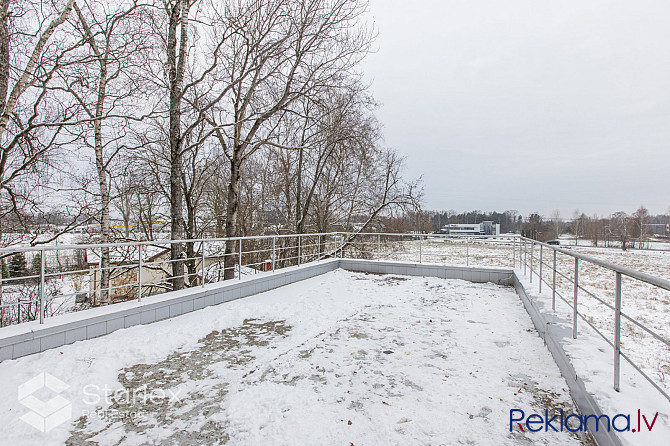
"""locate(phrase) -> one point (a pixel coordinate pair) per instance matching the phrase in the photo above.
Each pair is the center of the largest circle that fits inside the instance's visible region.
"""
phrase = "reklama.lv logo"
(578, 423)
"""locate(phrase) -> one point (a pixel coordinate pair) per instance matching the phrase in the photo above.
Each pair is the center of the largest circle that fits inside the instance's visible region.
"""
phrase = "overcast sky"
(528, 105)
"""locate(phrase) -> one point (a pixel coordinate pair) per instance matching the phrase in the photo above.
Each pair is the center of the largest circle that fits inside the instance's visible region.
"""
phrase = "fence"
(68, 278)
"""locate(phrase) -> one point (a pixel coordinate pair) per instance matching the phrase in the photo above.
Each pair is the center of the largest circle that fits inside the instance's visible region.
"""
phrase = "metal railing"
(532, 256)
(62, 276)
(65, 278)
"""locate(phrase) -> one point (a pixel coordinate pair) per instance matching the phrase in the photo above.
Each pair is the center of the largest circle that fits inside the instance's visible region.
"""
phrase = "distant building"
(483, 228)
(656, 229)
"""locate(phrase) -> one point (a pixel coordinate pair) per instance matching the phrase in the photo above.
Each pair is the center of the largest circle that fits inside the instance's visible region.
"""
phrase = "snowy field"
(343, 358)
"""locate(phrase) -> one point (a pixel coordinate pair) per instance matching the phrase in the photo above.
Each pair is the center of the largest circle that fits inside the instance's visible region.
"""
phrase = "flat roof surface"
(342, 358)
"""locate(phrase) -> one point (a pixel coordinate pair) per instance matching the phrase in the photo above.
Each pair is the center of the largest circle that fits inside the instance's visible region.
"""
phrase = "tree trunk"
(232, 210)
(176, 55)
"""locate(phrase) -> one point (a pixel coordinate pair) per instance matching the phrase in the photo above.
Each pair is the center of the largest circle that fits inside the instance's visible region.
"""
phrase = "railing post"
(379, 247)
(299, 250)
(467, 253)
(574, 300)
(513, 253)
(420, 251)
(617, 331)
(532, 249)
(318, 248)
(525, 257)
(139, 273)
(274, 252)
(553, 286)
(202, 261)
(540, 291)
(42, 282)
(239, 261)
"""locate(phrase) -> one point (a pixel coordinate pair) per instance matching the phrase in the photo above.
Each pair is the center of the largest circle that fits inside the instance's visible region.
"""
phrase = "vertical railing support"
(574, 300)
(379, 247)
(420, 250)
(617, 331)
(274, 252)
(467, 254)
(513, 253)
(553, 286)
(532, 251)
(318, 248)
(525, 257)
(299, 249)
(540, 280)
(202, 264)
(139, 273)
(239, 262)
(42, 284)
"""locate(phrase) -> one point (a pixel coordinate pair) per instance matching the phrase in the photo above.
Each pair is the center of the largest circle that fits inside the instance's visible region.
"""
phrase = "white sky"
(529, 105)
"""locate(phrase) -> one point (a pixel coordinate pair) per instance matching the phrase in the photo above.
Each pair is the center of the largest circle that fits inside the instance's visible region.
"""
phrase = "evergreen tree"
(17, 265)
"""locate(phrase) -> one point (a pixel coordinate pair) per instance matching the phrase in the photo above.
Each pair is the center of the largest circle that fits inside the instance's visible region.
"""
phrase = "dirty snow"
(343, 358)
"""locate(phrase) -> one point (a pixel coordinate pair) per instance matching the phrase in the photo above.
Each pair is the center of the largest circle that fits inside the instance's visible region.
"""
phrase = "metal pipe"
(202, 266)
(239, 261)
(274, 252)
(553, 286)
(379, 247)
(574, 301)
(42, 269)
(420, 252)
(513, 253)
(540, 290)
(139, 273)
(299, 249)
(617, 332)
(532, 249)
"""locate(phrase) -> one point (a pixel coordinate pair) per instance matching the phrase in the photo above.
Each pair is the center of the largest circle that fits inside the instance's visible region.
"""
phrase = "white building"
(483, 228)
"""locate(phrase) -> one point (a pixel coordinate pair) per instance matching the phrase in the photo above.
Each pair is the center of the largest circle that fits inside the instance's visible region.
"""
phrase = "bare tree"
(114, 38)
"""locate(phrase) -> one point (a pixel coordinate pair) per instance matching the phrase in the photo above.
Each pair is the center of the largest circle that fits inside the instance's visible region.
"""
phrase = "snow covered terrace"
(339, 351)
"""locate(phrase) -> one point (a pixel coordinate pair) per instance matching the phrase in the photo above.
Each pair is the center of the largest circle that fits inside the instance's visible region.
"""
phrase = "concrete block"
(26, 348)
(187, 306)
(175, 310)
(115, 324)
(162, 313)
(95, 330)
(132, 320)
(147, 316)
(52, 341)
(6, 352)
(199, 303)
(75, 334)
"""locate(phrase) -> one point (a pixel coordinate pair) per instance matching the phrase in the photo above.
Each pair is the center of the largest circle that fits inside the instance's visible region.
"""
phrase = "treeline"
(197, 117)
(617, 230)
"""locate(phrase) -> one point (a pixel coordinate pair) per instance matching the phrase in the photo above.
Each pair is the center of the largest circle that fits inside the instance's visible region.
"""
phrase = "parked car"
(553, 242)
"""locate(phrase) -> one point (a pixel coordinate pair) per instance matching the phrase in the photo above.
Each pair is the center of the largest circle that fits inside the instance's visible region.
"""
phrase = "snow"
(645, 303)
(342, 358)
